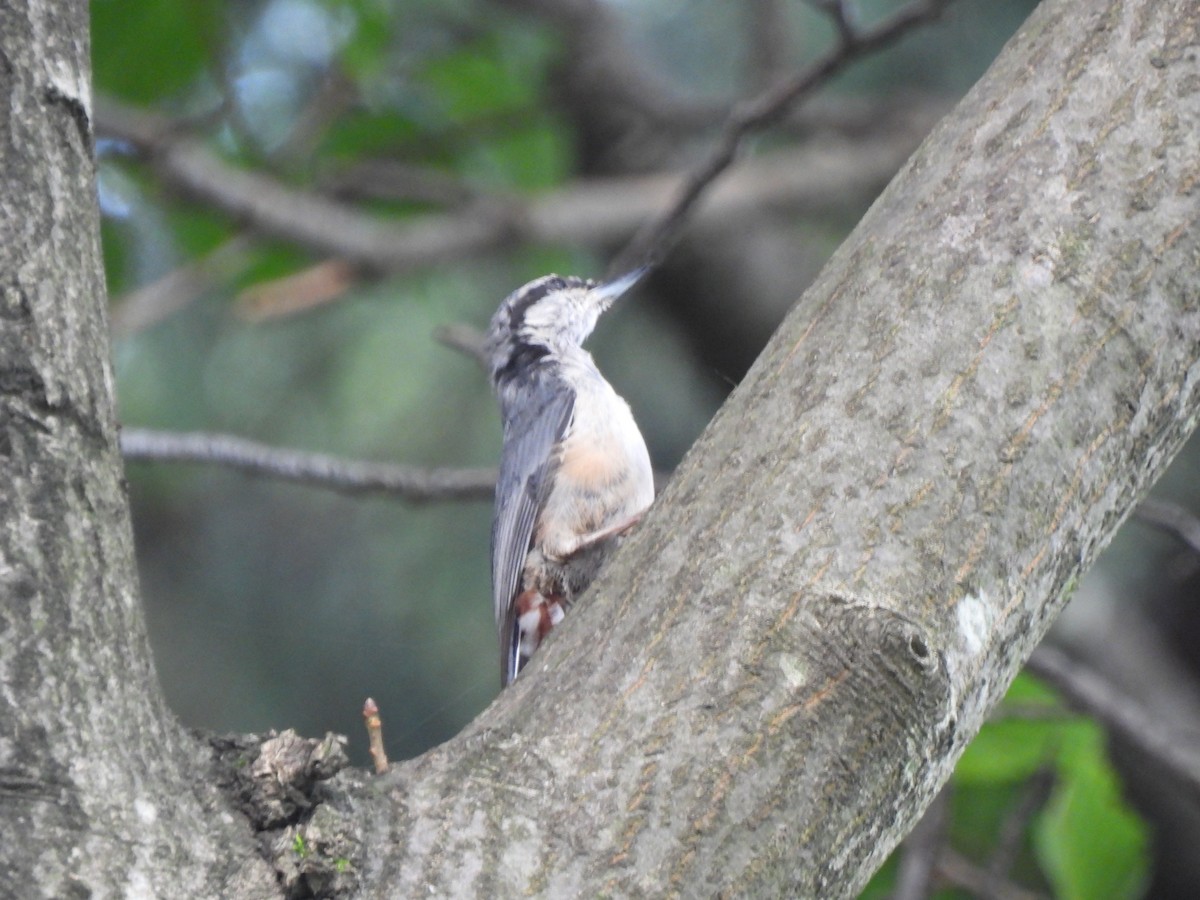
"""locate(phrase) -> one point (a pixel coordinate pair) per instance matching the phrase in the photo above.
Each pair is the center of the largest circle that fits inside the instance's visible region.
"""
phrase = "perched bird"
(574, 471)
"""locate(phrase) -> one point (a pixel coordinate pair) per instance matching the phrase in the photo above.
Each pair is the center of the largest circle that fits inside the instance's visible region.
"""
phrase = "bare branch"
(1171, 518)
(390, 179)
(465, 339)
(841, 14)
(153, 302)
(652, 242)
(314, 286)
(817, 176)
(347, 476)
(1084, 689)
(768, 43)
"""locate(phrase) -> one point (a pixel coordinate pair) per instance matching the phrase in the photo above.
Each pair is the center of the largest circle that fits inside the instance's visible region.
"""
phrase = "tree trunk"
(781, 667)
(101, 793)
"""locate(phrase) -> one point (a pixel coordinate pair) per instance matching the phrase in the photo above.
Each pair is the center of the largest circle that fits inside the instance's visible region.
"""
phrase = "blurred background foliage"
(274, 605)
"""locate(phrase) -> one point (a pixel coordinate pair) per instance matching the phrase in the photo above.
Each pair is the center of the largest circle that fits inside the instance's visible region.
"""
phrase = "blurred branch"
(465, 339)
(768, 42)
(841, 14)
(310, 287)
(336, 93)
(921, 849)
(1086, 690)
(1171, 518)
(1030, 801)
(153, 302)
(392, 179)
(654, 240)
(818, 175)
(411, 483)
(961, 872)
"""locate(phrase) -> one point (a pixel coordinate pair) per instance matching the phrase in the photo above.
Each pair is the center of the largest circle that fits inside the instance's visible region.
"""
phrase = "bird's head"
(548, 316)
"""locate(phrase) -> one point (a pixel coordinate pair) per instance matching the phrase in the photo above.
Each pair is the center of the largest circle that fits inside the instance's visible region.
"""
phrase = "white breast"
(604, 475)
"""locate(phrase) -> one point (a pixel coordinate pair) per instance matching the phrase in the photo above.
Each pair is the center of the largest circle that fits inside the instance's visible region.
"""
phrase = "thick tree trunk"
(99, 788)
(782, 666)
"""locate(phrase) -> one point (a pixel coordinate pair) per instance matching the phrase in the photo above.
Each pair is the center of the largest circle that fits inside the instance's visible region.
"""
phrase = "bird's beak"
(610, 292)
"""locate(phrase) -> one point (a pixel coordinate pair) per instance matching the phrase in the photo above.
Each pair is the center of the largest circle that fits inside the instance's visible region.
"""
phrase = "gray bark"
(781, 667)
(101, 793)
(848, 569)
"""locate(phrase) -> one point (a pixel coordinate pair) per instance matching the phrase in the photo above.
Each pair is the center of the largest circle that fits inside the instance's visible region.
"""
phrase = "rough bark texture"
(780, 670)
(786, 660)
(99, 788)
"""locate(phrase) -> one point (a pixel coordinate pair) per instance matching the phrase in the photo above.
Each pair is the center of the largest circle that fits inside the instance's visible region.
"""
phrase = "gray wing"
(532, 428)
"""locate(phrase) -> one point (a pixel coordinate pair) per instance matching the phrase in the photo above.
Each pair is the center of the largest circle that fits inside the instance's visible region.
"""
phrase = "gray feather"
(535, 420)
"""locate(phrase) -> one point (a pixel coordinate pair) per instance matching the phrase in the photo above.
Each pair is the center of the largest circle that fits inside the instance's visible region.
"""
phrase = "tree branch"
(410, 483)
(151, 303)
(651, 244)
(817, 176)
(1172, 518)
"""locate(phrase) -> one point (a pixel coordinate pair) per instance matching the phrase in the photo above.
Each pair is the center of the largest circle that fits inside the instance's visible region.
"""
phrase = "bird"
(575, 473)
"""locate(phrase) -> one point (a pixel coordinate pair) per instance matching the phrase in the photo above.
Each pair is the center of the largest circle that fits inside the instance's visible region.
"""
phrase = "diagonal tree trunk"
(782, 666)
(876, 530)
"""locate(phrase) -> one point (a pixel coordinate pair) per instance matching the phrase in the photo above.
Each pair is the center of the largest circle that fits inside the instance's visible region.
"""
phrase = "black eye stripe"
(536, 291)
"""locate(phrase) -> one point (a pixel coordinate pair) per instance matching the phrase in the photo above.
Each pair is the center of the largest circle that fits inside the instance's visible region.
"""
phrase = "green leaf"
(532, 158)
(1027, 689)
(503, 72)
(364, 54)
(1008, 751)
(1089, 843)
(145, 50)
(361, 133)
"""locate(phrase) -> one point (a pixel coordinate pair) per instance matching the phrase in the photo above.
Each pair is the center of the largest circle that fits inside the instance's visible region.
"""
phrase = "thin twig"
(1171, 518)
(1032, 711)
(297, 292)
(375, 736)
(348, 476)
(654, 240)
(842, 16)
(767, 41)
(390, 179)
(1086, 690)
(466, 339)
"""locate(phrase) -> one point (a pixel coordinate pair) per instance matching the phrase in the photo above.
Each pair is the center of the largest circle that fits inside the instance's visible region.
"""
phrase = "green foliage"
(1090, 844)
(364, 54)
(365, 133)
(1084, 843)
(129, 66)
